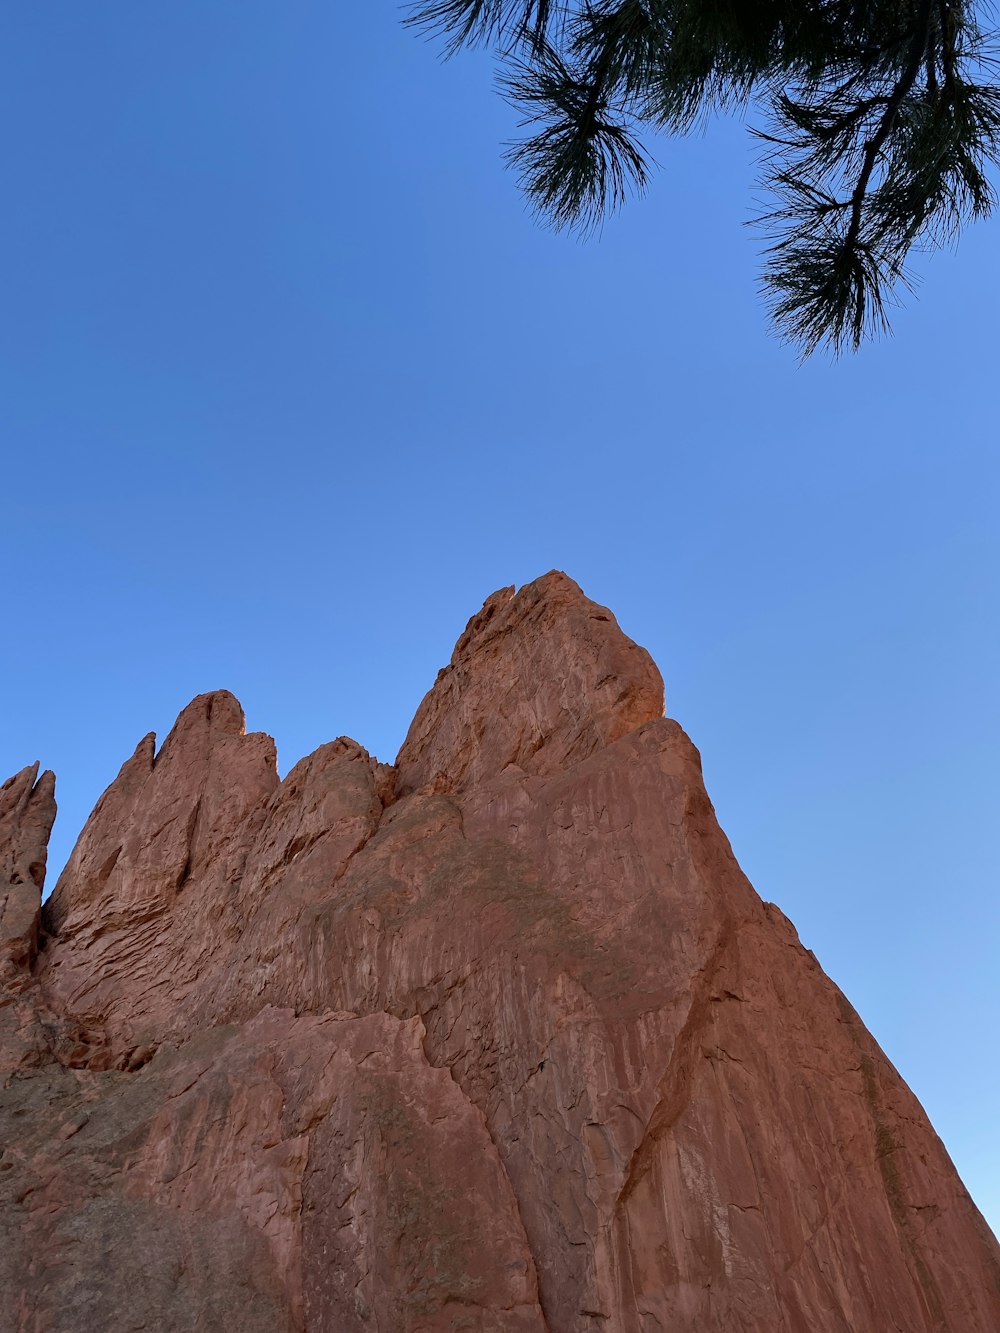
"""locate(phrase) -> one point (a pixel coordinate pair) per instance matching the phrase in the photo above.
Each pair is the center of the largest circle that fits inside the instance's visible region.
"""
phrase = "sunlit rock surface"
(499, 1039)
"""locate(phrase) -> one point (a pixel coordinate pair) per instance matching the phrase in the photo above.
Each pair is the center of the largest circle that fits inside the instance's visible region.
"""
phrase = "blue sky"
(290, 382)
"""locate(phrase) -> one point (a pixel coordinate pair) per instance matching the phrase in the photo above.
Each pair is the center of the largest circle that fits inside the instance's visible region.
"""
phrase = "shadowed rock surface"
(498, 1039)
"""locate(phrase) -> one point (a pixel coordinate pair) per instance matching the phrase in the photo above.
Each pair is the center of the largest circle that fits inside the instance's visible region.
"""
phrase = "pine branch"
(583, 161)
(879, 141)
(875, 145)
(480, 22)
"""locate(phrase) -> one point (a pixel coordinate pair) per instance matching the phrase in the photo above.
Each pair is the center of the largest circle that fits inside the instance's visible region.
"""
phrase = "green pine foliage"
(882, 121)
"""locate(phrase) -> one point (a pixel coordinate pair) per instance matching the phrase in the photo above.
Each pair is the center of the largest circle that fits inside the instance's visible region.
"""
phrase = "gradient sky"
(290, 382)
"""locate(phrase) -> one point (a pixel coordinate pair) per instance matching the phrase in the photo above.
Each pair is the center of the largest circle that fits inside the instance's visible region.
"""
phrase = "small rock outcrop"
(27, 813)
(496, 1039)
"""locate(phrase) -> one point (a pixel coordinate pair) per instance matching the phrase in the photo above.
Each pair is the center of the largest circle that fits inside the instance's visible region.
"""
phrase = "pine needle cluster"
(882, 121)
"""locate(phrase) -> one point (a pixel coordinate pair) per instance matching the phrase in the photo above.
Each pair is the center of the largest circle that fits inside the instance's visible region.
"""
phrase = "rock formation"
(497, 1039)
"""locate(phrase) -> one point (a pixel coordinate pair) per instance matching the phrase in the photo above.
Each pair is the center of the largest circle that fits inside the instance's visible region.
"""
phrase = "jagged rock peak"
(27, 811)
(541, 677)
(216, 711)
(167, 812)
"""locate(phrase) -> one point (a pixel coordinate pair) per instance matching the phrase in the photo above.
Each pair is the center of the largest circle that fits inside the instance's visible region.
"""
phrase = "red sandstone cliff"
(499, 1039)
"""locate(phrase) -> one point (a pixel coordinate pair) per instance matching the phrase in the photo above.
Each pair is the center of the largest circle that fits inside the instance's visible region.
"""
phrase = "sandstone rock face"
(496, 1038)
(27, 812)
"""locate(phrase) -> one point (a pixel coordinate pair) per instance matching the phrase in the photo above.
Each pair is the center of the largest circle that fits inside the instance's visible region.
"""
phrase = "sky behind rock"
(291, 382)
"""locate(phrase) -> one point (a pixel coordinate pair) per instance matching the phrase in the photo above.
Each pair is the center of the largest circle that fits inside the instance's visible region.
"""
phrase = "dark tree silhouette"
(881, 123)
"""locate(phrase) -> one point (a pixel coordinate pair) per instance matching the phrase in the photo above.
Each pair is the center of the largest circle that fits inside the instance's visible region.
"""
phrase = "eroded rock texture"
(496, 1039)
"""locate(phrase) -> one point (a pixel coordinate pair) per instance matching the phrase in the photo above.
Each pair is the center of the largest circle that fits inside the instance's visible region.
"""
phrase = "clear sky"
(290, 382)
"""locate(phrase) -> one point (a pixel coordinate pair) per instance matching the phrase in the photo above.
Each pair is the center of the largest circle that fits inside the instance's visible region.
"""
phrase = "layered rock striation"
(496, 1039)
